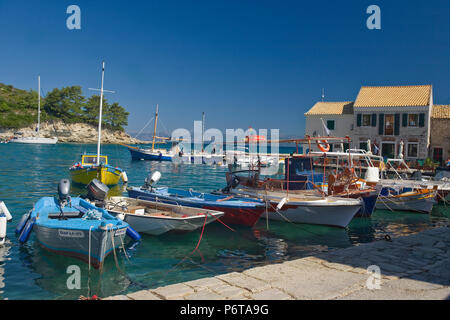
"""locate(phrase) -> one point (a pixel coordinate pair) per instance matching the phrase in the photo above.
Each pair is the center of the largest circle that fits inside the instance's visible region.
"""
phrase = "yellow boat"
(85, 171)
(96, 166)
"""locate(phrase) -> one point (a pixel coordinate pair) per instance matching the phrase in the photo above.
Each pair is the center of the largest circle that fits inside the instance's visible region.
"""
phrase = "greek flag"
(325, 127)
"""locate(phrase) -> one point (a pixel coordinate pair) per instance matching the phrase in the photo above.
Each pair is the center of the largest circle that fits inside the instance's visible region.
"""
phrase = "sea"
(29, 172)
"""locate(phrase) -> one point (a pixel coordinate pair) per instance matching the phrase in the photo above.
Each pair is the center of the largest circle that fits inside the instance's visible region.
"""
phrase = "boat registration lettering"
(120, 232)
(70, 233)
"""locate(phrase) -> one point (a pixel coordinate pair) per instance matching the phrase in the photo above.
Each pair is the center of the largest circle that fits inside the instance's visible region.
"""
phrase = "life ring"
(322, 148)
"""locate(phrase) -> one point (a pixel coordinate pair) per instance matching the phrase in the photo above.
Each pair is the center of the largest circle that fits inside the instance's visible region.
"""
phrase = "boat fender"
(22, 222)
(25, 234)
(3, 223)
(120, 216)
(281, 203)
(5, 211)
(124, 177)
(133, 234)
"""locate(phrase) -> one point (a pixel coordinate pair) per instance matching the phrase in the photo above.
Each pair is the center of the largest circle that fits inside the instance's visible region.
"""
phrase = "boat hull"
(61, 241)
(336, 215)
(84, 175)
(142, 155)
(157, 226)
(35, 140)
(416, 202)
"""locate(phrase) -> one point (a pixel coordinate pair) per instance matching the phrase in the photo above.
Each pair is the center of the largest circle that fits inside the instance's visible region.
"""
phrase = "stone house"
(440, 133)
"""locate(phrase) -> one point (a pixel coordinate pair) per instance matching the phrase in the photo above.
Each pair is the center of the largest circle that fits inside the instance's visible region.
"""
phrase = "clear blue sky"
(244, 62)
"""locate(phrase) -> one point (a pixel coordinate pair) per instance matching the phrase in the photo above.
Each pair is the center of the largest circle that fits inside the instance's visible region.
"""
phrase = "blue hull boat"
(142, 154)
(237, 210)
(76, 229)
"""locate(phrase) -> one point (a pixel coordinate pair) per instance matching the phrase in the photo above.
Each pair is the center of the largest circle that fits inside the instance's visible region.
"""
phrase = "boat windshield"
(93, 160)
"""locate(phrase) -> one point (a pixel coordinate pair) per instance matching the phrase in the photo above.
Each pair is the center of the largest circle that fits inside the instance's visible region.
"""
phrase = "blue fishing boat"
(74, 227)
(237, 210)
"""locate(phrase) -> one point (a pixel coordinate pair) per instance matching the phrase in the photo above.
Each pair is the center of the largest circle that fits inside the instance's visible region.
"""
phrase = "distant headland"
(65, 113)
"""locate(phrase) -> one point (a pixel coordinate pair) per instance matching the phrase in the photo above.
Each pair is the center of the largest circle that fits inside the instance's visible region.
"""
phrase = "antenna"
(100, 112)
(323, 94)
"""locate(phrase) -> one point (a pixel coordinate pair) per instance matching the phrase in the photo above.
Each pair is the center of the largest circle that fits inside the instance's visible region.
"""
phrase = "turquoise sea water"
(29, 172)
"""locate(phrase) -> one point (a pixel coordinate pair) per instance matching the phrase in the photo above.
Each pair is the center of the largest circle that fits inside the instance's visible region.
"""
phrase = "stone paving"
(411, 267)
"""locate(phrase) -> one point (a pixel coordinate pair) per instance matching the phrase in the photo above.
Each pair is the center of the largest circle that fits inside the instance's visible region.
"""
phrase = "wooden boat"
(87, 170)
(236, 210)
(96, 166)
(37, 139)
(73, 227)
(421, 200)
(156, 218)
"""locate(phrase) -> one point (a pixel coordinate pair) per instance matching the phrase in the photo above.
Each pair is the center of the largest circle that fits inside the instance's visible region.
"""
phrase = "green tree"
(65, 104)
(116, 116)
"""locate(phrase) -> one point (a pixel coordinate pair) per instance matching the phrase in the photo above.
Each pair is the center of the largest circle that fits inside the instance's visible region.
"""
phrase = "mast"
(154, 130)
(39, 104)
(100, 113)
(203, 129)
(100, 116)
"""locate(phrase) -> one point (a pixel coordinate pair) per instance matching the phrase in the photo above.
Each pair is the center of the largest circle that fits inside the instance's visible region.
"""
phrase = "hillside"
(65, 113)
(18, 108)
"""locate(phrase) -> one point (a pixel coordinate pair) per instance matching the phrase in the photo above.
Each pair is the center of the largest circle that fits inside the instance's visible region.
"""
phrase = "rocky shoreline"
(72, 133)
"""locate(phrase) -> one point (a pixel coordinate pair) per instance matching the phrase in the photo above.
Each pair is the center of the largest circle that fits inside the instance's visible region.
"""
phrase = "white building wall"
(343, 125)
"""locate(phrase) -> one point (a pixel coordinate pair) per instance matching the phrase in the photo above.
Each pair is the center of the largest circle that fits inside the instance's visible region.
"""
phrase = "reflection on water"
(29, 272)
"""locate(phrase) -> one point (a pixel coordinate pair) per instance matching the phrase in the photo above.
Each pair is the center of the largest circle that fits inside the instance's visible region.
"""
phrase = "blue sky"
(245, 63)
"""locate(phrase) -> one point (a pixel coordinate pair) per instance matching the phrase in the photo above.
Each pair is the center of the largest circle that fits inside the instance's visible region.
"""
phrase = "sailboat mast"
(39, 104)
(100, 116)
(154, 129)
(203, 129)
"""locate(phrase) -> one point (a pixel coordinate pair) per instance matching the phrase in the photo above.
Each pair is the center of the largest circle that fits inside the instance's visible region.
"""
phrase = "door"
(437, 155)
(388, 150)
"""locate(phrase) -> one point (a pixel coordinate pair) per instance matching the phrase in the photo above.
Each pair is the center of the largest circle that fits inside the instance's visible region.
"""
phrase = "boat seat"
(69, 214)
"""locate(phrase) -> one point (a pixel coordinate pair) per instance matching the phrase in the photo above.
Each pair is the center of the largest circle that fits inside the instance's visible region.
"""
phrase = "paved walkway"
(411, 267)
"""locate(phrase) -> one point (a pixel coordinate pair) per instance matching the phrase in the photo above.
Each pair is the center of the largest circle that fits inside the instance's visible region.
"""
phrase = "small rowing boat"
(421, 200)
(155, 218)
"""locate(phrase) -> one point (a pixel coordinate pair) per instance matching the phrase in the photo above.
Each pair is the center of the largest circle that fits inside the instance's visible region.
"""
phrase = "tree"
(65, 104)
(116, 116)
(91, 109)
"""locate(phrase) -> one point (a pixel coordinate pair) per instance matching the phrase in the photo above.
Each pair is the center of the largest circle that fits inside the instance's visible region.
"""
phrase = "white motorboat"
(305, 206)
(156, 218)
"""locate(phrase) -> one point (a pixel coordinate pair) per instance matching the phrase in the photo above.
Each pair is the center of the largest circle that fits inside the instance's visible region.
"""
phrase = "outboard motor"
(97, 192)
(151, 180)
(63, 195)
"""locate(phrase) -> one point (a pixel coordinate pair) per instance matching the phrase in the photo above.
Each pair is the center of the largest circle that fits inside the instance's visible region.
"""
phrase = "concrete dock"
(411, 267)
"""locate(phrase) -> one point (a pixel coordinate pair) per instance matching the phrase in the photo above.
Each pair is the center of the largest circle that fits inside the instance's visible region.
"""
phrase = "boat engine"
(97, 192)
(64, 196)
(152, 180)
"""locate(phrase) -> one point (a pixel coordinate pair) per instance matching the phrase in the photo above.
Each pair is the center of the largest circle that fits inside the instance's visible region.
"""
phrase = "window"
(413, 120)
(330, 124)
(363, 146)
(413, 150)
(389, 125)
(366, 120)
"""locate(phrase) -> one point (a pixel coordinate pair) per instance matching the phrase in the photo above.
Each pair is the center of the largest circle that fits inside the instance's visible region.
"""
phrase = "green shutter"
(374, 119)
(381, 124)
(397, 124)
(422, 120)
(330, 124)
(358, 120)
(404, 120)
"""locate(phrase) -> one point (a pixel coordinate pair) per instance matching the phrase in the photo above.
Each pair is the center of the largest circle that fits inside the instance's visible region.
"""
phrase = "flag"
(325, 127)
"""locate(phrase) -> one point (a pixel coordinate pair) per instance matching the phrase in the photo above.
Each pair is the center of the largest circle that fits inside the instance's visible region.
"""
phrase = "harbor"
(164, 260)
(221, 151)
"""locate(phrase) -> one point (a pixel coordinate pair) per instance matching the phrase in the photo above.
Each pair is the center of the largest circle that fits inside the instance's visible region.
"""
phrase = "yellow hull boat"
(87, 170)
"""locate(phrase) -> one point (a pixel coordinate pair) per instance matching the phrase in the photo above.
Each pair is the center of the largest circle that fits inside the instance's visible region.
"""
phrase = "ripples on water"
(29, 172)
